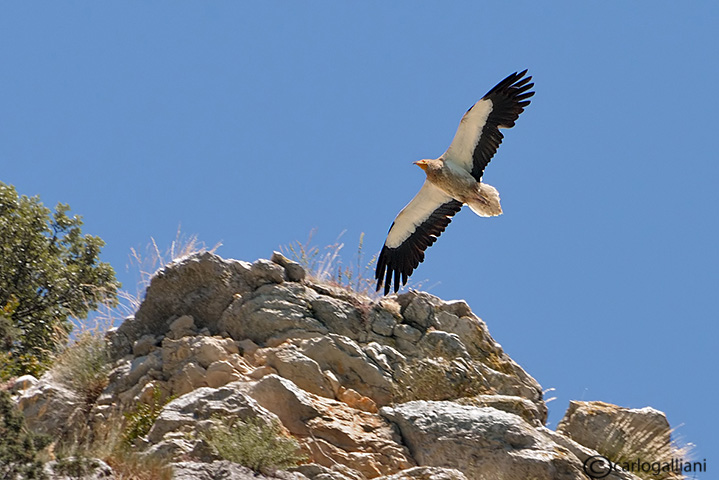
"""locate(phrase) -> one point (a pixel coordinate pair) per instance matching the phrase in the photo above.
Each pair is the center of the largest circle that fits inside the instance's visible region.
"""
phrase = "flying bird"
(453, 180)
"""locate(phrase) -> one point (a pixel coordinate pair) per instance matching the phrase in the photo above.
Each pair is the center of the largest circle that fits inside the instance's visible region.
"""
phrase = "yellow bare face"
(421, 164)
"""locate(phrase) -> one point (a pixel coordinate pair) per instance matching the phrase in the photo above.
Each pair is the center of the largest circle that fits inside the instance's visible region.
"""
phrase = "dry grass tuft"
(148, 263)
(129, 465)
(84, 365)
(326, 265)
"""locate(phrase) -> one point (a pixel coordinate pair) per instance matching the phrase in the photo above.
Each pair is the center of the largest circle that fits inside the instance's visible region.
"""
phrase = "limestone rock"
(405, 387)
(190, 377)
(482, 442)
(339, 316)
(182, 327)
(350, 364)
(353, 399)
(332, 432)
(144, 345)
(264, 271)
(292, 405)
(314, 471)
(22, 383)
(224, 469)
(51, 408)
(618, 433)
(181, 359)
(272, 311)
(128, 373)
(304, 372)
(426, 473)
(201, 285)
(175, 430)
(382, 321)
(221, 372)
(507, 403)
(293, 270)
(585, 454)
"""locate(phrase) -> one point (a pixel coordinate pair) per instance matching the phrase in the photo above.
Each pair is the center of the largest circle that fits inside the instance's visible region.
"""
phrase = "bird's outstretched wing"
(416, 228)
(478, 135)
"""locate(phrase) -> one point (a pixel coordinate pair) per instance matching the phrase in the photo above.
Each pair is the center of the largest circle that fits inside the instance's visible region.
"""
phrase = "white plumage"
(453, 180)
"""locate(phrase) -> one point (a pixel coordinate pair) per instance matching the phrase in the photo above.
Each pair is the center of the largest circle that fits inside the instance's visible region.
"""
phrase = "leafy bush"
(18, 446)
(254, 444)
(77, 466)
(50, 272)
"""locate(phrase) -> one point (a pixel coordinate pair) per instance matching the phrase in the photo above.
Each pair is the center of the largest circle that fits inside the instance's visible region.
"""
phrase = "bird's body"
(481, 198)
(453, 180)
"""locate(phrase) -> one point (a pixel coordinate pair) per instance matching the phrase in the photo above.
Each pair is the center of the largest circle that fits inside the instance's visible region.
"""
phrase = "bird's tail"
(487, 202)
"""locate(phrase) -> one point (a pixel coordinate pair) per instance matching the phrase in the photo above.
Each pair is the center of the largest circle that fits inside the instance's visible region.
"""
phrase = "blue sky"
(252, 124)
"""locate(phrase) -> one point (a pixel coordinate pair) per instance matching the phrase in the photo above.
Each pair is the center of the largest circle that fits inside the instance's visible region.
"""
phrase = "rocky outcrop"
(405, 387)
(224, 469)
(49, 407)
(482, 442)
(622, 434)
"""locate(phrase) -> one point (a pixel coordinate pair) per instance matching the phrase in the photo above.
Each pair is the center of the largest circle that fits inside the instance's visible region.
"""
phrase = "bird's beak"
(421, 164)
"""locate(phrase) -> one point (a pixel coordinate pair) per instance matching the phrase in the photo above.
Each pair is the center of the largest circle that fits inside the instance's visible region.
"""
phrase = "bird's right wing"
(416, 228)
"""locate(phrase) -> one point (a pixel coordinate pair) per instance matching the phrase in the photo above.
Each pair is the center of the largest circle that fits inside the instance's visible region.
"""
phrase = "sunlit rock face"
(407, 386)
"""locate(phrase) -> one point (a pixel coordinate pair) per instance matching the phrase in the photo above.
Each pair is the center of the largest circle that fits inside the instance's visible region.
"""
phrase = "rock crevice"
(407, 387)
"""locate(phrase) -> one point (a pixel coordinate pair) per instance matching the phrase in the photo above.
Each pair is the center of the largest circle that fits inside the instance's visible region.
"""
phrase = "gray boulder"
(401, 388)
(222, 469)
(621, 434)
(52, 408)
(426, 473)
(482, 442)
(176, 430)
(22, 383)
(294, 271)
(272, 313)
(201, 285)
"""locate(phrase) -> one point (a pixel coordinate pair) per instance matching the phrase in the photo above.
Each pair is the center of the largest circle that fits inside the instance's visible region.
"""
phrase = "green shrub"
(18, 446)
(254, 444)
(77, 466)
(140, 420)
(51, 273)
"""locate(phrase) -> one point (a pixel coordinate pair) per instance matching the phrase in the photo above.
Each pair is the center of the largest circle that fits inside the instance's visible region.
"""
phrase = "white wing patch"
(468, 134)
(415, 213)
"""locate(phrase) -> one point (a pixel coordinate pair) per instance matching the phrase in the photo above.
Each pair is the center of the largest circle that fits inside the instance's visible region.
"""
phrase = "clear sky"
(253, 123)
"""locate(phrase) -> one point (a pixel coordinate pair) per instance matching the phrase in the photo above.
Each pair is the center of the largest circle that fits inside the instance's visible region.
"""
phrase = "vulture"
(453, 180)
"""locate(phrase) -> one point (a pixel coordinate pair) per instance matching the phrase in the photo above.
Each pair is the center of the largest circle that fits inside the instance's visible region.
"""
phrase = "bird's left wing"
(416, 228)
(478, 136)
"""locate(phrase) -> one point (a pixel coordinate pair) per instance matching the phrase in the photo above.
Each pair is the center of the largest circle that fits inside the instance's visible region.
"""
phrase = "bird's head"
(423, 164)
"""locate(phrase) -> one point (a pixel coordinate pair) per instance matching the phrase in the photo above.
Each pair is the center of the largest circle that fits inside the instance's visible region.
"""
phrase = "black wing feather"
(401, 261)
(508, 97)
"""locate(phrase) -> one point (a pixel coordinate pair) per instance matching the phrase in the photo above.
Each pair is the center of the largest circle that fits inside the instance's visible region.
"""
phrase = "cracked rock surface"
(406, 387)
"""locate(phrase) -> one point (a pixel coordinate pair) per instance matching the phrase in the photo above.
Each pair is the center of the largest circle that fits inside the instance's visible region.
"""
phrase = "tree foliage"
(18, 446)
(49, 272)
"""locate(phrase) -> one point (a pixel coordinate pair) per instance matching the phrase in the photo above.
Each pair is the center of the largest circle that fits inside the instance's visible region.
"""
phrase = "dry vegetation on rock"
(263, 365)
